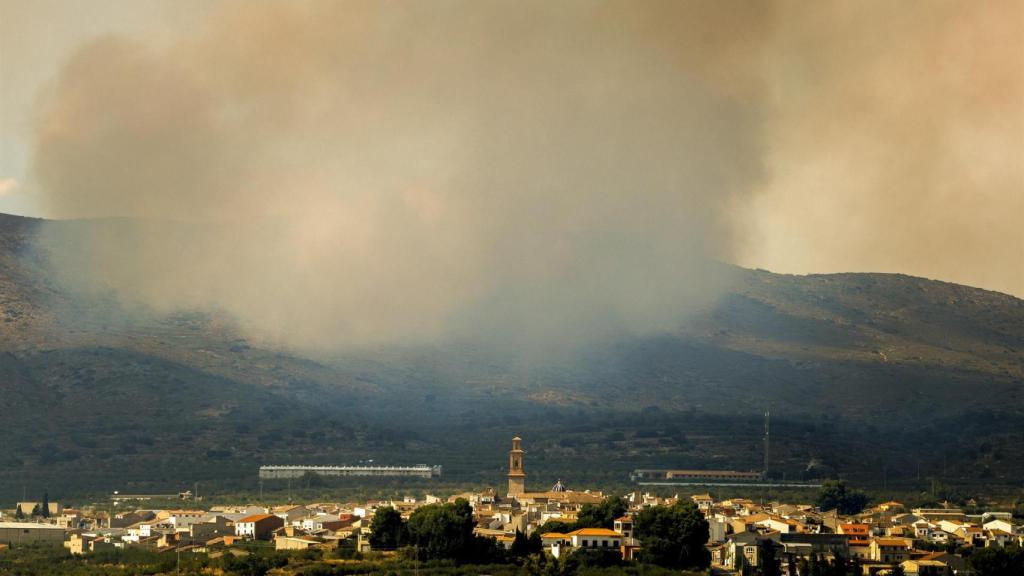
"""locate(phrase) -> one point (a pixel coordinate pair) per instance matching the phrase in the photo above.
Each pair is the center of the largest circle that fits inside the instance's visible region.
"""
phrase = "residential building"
(890, 550)
(258, 526)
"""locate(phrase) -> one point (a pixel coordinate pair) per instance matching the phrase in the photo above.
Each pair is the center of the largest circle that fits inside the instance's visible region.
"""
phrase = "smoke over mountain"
(896, 141)
(351, 173)
(367, 172)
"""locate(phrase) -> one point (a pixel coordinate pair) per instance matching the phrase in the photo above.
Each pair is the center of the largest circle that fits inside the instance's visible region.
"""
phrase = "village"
(743, 536)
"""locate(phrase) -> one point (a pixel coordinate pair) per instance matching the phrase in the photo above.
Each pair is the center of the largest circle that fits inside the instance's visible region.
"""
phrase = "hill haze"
(865, 374)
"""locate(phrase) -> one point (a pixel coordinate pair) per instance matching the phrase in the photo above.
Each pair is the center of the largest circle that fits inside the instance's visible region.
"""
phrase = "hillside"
(862, 372)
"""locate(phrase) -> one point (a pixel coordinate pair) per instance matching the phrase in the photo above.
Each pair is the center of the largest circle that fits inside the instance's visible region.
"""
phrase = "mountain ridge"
(889, 352)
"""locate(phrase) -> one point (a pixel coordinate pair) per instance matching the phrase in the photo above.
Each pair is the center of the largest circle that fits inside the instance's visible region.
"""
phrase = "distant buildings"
(418, 471)
(15, 533)
(743, 535)
(30, 508)
(695, 476)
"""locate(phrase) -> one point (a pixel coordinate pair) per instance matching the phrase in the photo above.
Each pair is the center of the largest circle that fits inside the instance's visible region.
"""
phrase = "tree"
(520, 545)
(36, 511)
(673, 536)
(597, 557)
(998, 561)
(856, 566)
(18, 514)
(485, 550)
(388, 531)
(1018, 510)
(555, 526)
(601, 515)
(46, 505)
(443, 531)
(834, 495)
(523, 546)
(840, 565)
(535, 544)
(767, 561)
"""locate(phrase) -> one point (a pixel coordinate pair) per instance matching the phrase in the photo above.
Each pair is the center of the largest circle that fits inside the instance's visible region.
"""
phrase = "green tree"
(535, 544)
(443, 531)
(388, 531)
(601, 515)
(856, 566)
(36, 511)
(597, 557)
(520, 545)
(484, 550)
(998, 561)
(834, 495)
(818, 566)
(673, 536)
(767, 561)
(555, 526)
(18, 514)
(46, 504)
(840, 565)
(523, 546)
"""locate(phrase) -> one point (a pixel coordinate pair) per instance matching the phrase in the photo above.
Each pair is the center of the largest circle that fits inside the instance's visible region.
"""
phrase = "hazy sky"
(448, 144)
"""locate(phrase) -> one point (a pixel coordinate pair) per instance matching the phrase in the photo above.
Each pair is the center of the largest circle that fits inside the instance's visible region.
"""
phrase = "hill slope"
(863, 372)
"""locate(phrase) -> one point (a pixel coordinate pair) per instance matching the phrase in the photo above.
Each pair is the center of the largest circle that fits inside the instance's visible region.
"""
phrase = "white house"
(595, 538)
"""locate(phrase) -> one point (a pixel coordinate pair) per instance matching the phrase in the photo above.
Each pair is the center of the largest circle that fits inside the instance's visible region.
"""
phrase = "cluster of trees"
(835, 495)
(601, 515)
(434, 532)
(1008, 561)
(671, 536)
(37, 510)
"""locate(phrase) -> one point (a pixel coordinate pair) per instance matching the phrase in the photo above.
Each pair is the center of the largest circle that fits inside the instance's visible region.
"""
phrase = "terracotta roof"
(256, 518)
(892, 542)
(594, 532)
(854, 529)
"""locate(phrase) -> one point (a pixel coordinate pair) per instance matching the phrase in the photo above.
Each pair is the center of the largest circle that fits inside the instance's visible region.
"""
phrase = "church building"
(516, 475)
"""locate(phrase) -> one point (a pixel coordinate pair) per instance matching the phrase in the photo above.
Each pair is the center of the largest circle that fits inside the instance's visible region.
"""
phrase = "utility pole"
(767, 441)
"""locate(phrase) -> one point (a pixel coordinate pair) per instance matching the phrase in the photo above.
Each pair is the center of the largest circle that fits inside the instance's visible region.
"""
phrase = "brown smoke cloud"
(358, 173)
(371, 172)
(895, 141)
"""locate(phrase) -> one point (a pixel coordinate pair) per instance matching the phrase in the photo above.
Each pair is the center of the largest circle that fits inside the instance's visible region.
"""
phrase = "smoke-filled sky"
(358, 171)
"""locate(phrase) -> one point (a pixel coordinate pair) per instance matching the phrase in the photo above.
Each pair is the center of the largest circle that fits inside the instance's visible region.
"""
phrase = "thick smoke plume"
(353, 173)
(895, 141)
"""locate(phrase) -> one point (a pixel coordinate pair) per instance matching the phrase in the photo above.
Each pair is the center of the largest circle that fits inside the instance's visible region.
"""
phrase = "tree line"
(670, 536)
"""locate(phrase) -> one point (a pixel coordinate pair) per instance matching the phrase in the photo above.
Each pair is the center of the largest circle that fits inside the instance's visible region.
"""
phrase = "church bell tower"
(516, 476)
